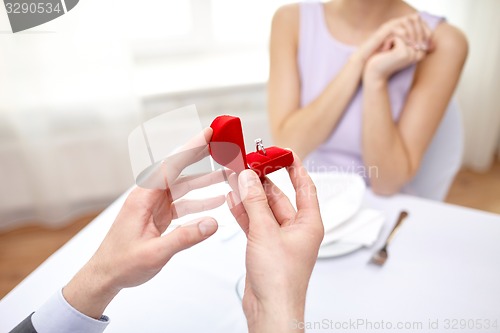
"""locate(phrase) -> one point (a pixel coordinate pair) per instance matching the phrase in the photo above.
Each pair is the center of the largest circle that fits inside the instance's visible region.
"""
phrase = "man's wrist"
(276, 317)
(57, 315)
(90, 291)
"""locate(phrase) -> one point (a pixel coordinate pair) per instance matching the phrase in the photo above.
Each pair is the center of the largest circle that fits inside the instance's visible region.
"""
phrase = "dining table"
(442, 274)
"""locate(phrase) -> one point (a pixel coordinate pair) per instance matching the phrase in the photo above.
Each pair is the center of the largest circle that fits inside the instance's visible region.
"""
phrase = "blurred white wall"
(66, 108)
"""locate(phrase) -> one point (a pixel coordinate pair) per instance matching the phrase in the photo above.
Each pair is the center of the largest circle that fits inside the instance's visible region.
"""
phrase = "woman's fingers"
(401, 32)
(407, 23)
(428, 37)
(416, 23)
(186, 206)
(388, 43)
(407, 54)
(413, 30)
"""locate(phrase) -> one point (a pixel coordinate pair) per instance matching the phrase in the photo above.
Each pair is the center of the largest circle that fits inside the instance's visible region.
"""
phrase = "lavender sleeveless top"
(320, 58)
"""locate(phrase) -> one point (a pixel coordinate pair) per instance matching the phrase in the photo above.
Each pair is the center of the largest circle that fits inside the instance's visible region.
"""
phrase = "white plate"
(363, 227)
(339, 194)
(337, 249)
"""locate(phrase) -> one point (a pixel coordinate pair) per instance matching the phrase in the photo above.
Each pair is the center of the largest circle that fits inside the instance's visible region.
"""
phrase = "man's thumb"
(252, 194)
(187, 235)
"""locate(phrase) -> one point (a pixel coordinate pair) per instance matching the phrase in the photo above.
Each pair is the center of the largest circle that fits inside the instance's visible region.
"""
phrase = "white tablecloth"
(443, 265)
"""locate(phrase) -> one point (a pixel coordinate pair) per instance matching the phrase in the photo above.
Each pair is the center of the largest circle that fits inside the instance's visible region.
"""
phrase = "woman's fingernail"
(207, 227)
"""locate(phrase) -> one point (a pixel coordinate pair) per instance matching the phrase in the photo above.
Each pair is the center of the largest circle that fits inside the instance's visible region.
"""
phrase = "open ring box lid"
(227, 148)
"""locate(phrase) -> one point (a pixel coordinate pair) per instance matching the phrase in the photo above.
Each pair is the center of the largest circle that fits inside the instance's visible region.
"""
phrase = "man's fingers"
(193, 151)
(200, 139)
(280, 204)
(143, 201)
(173, 165)
(185, 236)
(184, 207)
(186, 184)
(238, 210)
(306, 196)
(233, 183)
(254, 199)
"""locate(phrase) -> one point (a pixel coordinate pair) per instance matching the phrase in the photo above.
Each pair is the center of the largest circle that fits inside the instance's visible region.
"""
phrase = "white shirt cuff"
(58, 316)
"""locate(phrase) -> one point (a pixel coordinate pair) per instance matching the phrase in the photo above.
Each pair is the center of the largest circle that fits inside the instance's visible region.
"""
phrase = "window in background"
(157, 26)
(177, 27)
(243, 23)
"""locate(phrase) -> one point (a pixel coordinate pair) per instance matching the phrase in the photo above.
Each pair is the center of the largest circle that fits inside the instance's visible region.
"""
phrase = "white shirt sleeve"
(58, 316)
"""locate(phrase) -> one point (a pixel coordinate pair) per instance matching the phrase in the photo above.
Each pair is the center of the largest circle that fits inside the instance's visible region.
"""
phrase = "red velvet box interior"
(227, 148)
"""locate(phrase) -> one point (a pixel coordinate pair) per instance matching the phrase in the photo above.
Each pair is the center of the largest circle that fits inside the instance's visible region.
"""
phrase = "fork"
(380, 257)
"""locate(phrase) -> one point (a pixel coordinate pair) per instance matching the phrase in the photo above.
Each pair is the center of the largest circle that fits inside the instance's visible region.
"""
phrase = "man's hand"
(282, 246)
(134, 249)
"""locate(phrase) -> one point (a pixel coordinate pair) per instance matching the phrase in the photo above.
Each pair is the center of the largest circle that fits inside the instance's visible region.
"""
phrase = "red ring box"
(227, 148)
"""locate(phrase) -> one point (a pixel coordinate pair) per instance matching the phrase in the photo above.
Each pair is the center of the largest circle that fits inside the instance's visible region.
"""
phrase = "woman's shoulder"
(446, 36)
(450, 39)
(285, 24)
(288, 13)
(293, 10)
(288, 17)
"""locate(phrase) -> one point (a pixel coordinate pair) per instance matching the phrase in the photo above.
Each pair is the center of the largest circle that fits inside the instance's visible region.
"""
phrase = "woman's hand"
(387, 62)
(282, 247)
(134, 249)
(397, 44)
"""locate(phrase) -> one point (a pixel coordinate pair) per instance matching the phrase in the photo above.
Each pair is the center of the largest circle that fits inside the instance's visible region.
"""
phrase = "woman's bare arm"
(397, 148)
